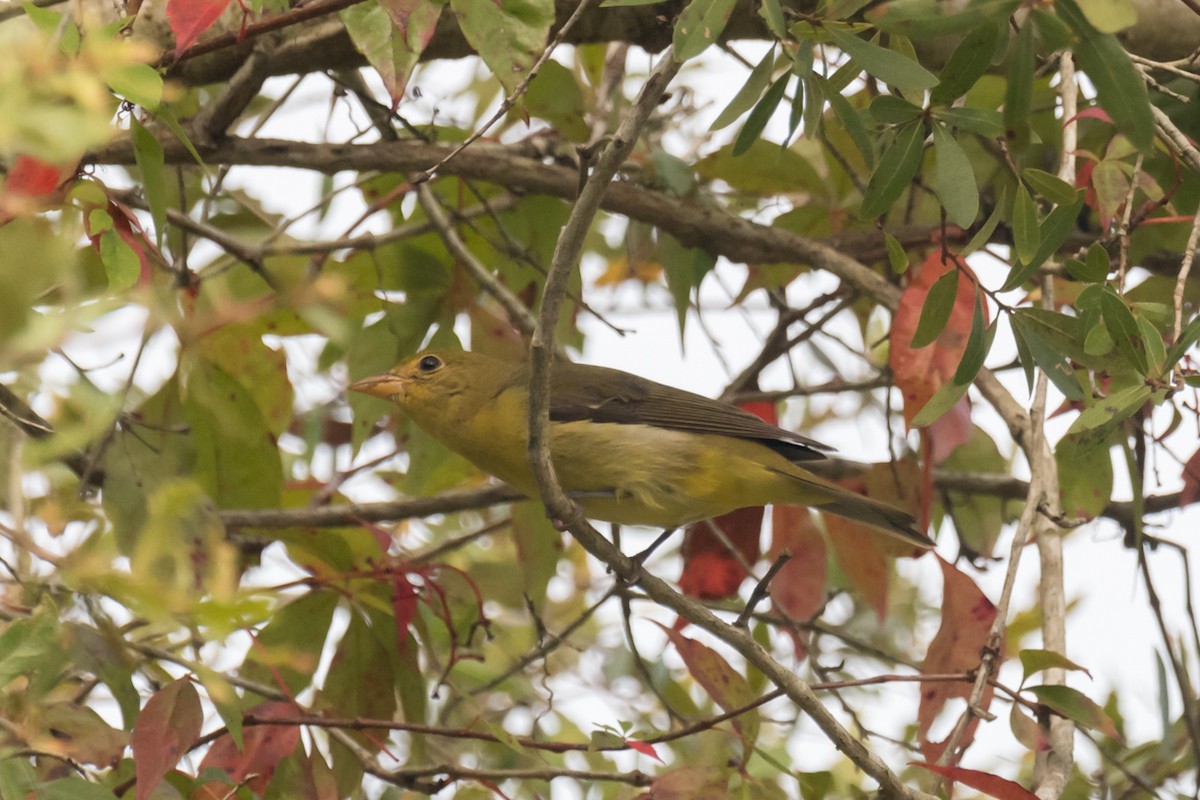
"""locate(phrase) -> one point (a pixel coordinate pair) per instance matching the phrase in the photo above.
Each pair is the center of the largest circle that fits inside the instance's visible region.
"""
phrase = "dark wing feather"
(583, 392)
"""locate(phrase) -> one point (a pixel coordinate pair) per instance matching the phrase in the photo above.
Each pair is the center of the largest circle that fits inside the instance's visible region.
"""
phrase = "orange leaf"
(921, 372)
(985, 782)
(165, 729)
(859, 553)
(967, 617)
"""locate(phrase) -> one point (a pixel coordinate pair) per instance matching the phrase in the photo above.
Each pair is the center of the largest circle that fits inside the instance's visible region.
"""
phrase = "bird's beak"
(386, 386)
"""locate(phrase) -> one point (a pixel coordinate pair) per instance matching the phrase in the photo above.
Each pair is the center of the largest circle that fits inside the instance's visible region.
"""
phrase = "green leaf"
(883, 64)
(931, 19)
(1097, 342)
(979, 343)
(1049, 186)
(1187, 337)
(1050, 359)
(984, 234)
(1018, 96)
(852, 121)
(772, 14)
(1123, 329)
(628, 3)
(1075, 706)
(1026, 233)
(969, 61)
(148, 154)
(140, 84)
(1095, 267)
(700, 24)
(888, 109)
(760, 116)
(1097, 421)
(121, 262)
(1034, 660)
(750, 93)
(955, 179)
(944, 399)
(1152, 343)
(895, 170)
(508, 36)
(1085, 478)
(1024, 352)
(1119, 87)
(935, 312)
(897, 258)
(985, 122)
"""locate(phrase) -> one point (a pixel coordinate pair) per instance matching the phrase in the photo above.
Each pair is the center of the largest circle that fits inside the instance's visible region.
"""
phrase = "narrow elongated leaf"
(981, 121)
(1026, 236)
(1049, 186)
(888, 109)
(1075, 706)
(936, 310)
(853, 123)
(883, 64)
(978, 343)
(1051, 360)
(700, 24)
(1123, 329)
(1187, 337)
(750, 93)
(1119, 88)
(895, 170)
(969, 61)
(1018, 96)
(956, 185)
(760, 116)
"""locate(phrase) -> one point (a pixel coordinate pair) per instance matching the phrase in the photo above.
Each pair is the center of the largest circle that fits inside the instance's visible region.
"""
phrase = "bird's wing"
(583, 392)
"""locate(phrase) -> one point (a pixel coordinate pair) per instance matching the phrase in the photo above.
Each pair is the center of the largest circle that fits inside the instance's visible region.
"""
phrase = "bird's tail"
(887, 518)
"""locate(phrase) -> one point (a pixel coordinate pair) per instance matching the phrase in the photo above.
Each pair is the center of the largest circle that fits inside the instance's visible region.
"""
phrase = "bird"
(629, 450)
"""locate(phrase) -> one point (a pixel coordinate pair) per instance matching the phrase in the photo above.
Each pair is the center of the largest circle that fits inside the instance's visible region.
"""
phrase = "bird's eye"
(429, 363)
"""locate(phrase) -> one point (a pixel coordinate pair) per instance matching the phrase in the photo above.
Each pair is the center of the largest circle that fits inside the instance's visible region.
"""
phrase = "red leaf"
(1191, 481)
(404, 605)
(949, 431)
(985, 782)
(921, 372)
(711, 570)
(264, 747)
(166, 729)
(643, 748)
(32, 184)
(190, 18)
(798, 590)
(724, 685)
(967, 617)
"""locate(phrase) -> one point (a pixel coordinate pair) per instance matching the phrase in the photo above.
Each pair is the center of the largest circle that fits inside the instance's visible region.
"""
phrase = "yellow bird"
(629, 450)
